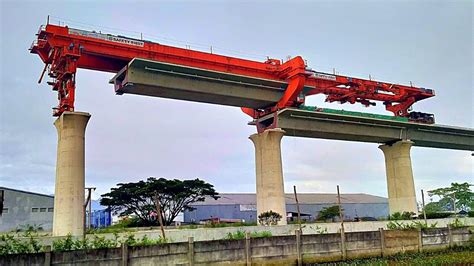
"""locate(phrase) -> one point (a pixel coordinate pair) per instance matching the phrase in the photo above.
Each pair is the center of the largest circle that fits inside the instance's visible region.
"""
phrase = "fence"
(284, 250)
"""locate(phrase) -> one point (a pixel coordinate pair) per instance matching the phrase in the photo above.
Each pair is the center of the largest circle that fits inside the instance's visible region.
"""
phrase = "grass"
(454, 256)
(241, 235)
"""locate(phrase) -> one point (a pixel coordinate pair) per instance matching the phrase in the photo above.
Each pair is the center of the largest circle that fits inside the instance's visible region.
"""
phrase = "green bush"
(32, 228)
(9, 244)
(261, 234)
(235, 236)
(269, 218)
(395, 225)
(436, 215)
(470, 213)
(66, 244)
(219, 225)
(241, 235)
(318, 229)
(456, 223)
(401, 216)
(98, 242)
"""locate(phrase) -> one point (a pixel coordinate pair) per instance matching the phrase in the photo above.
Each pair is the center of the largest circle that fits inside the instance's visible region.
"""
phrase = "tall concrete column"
(401, 187)
(270, 189)
(70, 174)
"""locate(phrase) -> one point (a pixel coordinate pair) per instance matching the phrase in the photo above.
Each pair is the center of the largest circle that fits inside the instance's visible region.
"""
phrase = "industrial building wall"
(244, 212)
(20, 208)
(234, 211)
(350, 210)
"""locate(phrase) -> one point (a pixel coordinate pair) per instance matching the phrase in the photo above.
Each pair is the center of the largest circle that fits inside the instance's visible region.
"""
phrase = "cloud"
(130, 137)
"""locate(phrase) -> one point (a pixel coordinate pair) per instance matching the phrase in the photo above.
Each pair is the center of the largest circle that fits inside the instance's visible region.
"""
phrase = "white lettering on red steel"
(106, 37)
(324, 76)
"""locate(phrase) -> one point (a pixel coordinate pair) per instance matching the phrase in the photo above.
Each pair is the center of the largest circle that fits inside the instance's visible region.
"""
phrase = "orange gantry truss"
(64, 50)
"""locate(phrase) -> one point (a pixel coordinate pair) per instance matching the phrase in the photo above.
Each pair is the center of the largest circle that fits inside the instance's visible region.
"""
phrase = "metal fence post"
(382, 242)
(47, 255)
(450, 236)
(124, 254)
(420, 240)
(191, 251)
(248, 258)
(298, 247)
(343, 244)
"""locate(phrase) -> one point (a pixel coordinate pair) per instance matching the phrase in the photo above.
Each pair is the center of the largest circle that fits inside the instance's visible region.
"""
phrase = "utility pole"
(297, 208)
(423, 205)
(341, 217)
(88, 203)
(160, 218)
(454, 203)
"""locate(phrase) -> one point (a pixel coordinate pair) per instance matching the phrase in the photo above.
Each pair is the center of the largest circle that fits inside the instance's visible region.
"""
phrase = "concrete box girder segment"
(157, 79)
(311, 124)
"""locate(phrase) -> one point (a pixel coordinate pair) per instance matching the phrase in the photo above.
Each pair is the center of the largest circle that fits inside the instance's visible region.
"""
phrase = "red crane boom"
(64, 50)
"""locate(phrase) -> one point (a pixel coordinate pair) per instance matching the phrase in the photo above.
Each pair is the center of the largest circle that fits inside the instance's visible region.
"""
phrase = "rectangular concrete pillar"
(270, 189)
(400, 184)
(70, 174)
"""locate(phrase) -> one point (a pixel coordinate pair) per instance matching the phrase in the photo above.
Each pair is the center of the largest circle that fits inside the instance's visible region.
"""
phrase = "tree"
(175, 196)
(457, 196)
(328, 213)
(269, 218)
(433, 207)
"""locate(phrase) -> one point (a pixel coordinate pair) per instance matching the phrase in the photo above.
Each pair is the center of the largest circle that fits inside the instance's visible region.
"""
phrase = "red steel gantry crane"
(64, 50)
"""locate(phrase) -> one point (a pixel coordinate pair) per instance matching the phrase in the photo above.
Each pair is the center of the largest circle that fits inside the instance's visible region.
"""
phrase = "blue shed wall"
(233, 211)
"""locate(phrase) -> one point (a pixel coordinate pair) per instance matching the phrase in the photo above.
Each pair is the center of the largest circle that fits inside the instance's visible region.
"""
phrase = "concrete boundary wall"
(277, 250)
(205, 234)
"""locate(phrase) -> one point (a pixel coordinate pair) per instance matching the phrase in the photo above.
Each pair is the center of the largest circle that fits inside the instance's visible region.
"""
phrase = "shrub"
(145, 241)
(10, 244)
(269, 218)
(436, 215)
(235, 236)
(328, 213)
(241, 235)
(401, 216)
(395, 225)
(456, 223)
(239, 224)
(97, 242)
(261, 234)
(64, 244)
(470, 213)
(100, 242)
(318, 229)
(32, 228)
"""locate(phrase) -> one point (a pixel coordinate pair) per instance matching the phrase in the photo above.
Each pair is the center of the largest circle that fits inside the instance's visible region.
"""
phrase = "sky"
(130, 138)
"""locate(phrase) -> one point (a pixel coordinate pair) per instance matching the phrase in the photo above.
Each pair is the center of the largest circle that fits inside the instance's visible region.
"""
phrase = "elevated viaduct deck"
(301, 123)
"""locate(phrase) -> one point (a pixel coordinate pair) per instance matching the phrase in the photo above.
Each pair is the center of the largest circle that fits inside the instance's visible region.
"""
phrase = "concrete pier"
(70, 174)
(400, 184)
(270, 189)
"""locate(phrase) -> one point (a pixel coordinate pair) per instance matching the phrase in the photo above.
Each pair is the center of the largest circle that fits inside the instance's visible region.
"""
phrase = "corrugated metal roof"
(27, 192)
(303, 198)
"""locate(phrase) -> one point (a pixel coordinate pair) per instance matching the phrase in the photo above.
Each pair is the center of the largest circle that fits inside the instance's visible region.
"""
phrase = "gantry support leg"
(270, 189)
(70, 174)
(400, 184)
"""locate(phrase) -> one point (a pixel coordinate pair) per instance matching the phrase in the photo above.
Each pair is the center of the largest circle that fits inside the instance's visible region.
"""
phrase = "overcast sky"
(130, 138)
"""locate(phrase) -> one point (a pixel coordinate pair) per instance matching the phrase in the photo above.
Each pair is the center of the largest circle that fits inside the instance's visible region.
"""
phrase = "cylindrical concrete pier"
(400, 184)
(70, 174)
(270, 187)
